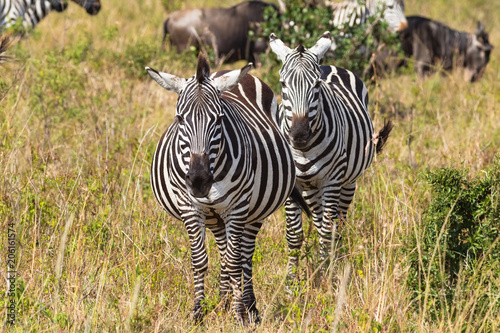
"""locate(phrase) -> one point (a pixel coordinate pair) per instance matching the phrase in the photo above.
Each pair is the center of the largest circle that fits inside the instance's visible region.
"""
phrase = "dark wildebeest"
(225, 30)
(432, 43)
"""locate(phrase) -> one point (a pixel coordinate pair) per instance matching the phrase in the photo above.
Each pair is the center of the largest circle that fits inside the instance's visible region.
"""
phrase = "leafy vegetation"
(305, 21)
(79, 122)
(458, 241)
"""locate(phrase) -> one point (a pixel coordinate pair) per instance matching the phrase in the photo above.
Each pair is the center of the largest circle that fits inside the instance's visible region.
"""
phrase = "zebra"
(350, 13)
(31, 12)
(324, 116)
(222, 164)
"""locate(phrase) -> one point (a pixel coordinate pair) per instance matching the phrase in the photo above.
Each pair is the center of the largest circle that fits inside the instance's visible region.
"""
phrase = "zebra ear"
(278, 47)
(168, 81)
(322, 45)
(231, 79)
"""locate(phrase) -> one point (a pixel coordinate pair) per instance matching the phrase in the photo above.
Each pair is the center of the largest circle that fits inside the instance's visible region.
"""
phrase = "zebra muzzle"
(199, 179)
(300, 132)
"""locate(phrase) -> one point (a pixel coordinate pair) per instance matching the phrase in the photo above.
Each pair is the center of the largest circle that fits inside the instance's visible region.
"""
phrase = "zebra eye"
(390, 6)
(219, 118)
(283, 85)
(318, 83)
(180, 119)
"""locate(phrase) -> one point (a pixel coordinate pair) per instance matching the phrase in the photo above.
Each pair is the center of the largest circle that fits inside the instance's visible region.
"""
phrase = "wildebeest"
(225, 30)
(432, 43)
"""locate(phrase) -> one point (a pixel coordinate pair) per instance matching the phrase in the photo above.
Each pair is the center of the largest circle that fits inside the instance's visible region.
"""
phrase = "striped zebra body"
(324, 115)
(32, 12)
(351, 13)
(224, 165)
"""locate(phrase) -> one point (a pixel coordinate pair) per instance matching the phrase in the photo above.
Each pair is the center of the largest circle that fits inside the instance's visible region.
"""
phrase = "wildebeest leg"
(195, 225)
(247, 251)
(423, 57)
(294, 236)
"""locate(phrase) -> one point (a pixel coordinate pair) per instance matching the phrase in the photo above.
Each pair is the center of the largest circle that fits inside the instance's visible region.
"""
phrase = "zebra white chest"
(219, 198)
(315, 169)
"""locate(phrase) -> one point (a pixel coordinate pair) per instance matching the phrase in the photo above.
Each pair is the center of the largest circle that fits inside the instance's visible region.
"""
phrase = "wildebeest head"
(478, 54)
(301, 82)
(199, 120)
(91, 6)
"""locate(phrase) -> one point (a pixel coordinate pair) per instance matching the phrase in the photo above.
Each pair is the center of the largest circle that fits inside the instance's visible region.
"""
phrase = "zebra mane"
(203, 69)
(301, 48)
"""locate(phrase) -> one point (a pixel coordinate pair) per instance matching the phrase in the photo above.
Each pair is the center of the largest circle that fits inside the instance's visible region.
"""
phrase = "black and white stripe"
(324, 115)
(350, 13)
(31, 12)
(224, 165)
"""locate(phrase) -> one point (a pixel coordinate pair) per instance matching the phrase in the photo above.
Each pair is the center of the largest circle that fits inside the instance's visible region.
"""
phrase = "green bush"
(456, 249)
(304, 24)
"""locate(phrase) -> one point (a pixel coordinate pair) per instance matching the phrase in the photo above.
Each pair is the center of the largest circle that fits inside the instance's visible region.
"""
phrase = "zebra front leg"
(195, 226)
(294, 236)
(247, 251)
(219, 231)
(233, 263)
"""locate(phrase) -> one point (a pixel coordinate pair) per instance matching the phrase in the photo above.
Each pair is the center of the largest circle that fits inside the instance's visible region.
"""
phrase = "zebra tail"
(6, 42)
(382, 136)
(297, 198)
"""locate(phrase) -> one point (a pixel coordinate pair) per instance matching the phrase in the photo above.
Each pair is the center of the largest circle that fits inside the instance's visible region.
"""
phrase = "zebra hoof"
(198, 313)
(240, 317)
(225, 301)
(253, 314)
(293, 287)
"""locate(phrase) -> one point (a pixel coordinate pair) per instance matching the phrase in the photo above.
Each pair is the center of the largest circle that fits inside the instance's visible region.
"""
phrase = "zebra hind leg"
(247, 251)
(294, 237)
(346, 196)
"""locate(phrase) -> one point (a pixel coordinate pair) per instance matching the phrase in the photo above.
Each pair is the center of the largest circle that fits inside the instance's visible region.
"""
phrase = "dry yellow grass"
(79, 124)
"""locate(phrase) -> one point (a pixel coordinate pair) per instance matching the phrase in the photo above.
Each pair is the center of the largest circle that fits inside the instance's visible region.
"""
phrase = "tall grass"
(95, 252)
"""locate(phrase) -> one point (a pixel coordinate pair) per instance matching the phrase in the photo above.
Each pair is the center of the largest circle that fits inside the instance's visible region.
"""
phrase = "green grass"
(95, 252)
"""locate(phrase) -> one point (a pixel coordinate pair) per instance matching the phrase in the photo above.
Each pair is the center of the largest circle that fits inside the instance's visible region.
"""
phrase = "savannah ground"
(80, 120)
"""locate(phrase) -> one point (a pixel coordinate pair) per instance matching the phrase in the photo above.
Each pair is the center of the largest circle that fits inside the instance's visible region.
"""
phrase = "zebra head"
(301, 82)
(199, 118)
(91, 6)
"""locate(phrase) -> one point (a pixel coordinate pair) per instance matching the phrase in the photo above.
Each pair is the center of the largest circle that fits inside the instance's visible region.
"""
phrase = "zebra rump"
(350, 13)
